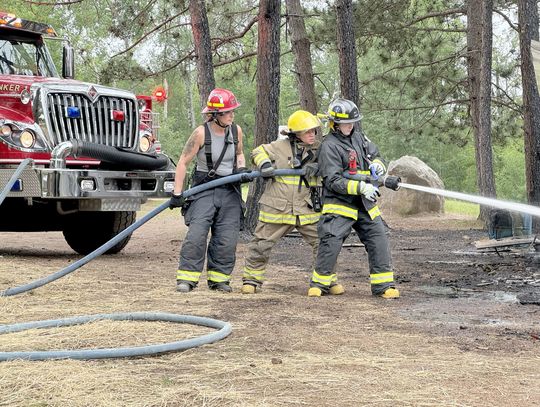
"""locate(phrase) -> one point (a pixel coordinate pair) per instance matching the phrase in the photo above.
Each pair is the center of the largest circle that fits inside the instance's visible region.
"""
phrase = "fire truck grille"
(109, 120)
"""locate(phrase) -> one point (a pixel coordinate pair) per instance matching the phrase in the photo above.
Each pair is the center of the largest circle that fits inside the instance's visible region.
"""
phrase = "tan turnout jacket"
(283, 200)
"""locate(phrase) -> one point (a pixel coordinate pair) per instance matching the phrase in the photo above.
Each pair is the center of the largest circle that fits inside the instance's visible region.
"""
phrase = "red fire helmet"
(220, 100)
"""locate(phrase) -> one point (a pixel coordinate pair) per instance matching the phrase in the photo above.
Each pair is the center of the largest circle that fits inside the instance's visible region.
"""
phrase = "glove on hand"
(243, 170)
(377, 168)
(267, 170)
(177, 201)
(370, 192)
(311, 170)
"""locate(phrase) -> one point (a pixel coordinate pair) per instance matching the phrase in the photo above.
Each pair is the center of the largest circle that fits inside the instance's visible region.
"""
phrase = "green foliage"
(412, 73)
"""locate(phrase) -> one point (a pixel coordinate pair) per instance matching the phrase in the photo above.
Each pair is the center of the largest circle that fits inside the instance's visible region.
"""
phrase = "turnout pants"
(266, 236)
(333, 230)
(217, 211)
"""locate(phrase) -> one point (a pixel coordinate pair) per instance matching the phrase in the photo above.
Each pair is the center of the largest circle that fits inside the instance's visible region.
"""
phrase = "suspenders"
(212, 167)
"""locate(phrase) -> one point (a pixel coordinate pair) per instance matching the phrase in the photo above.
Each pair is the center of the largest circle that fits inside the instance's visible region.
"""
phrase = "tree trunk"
(479, 44)
(203, 48)
(267, 108)
(347, 51)
(302, 56)
(528, 25)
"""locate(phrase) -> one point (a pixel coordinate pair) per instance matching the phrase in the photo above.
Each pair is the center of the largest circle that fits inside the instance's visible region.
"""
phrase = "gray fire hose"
(224, 329)
(14, 178)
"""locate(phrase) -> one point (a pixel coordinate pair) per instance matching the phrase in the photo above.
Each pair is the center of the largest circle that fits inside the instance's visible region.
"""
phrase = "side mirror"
(68, 62)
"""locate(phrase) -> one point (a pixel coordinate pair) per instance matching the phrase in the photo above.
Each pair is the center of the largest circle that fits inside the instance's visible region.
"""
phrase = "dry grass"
(285, 349)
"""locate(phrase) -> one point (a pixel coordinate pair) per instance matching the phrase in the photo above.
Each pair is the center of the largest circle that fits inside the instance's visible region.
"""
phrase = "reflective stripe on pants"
(334, 229)
(219, 210)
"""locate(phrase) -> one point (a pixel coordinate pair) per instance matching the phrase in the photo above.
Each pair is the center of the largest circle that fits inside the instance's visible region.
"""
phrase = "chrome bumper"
(66, 184)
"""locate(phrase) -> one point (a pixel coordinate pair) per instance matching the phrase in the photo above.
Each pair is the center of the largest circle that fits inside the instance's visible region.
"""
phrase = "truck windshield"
(22, 56)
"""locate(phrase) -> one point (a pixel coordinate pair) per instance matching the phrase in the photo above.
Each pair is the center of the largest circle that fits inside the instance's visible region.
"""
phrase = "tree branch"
(221, 41)
(510, 23)
(143, 37)
(238, 58)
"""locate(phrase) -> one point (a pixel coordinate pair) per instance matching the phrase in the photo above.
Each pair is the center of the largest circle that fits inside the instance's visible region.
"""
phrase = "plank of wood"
(505, 242)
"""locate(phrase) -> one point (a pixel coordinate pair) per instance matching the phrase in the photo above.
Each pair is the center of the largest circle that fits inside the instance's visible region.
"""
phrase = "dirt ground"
(466, 331)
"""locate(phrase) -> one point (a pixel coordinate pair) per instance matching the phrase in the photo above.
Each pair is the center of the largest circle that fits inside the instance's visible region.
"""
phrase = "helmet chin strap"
(216, 120)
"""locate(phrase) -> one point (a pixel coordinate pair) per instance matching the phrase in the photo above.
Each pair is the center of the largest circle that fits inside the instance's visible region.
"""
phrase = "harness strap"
(212, 168)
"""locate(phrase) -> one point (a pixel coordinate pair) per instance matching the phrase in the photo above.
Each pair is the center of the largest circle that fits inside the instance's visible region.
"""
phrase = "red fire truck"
(94, 149)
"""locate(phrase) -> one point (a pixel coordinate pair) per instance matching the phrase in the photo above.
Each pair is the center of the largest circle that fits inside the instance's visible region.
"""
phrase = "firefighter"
(288, 202)
(217, 148)
(350, 204)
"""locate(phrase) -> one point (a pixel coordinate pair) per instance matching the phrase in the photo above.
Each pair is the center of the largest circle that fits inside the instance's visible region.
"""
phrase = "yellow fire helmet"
(301, 121)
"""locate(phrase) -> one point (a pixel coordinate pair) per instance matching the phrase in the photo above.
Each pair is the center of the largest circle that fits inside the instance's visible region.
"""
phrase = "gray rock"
(412, 170)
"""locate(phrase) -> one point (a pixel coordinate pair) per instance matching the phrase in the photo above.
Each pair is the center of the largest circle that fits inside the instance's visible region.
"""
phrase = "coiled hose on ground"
(224, 330)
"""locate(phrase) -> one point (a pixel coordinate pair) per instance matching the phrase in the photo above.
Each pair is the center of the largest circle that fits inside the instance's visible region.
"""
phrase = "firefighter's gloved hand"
(244, 171)
(177, 201)
(370, 192)
(311, 170)
(378, 168)
(267, 170)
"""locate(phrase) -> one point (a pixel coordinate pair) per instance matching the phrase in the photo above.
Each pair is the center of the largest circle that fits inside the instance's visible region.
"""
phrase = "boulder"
(412, 170)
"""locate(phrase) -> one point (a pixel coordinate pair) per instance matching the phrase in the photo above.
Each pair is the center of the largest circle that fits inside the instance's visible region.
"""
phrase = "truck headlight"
(23, 136)
(27, 138)
(5, 130)
(144, 144)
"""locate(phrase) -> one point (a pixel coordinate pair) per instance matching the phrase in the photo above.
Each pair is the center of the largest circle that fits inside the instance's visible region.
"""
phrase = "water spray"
(496, 203)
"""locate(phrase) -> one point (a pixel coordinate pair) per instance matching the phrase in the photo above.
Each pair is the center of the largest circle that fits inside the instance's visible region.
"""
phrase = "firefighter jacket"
(340, 195)
(286, 197)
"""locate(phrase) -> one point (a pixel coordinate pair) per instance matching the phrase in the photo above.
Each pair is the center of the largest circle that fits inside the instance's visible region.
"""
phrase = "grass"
(460, 207)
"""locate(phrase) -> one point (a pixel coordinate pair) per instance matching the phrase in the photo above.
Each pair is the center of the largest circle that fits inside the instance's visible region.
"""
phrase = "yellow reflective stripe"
(217, 277)
(379, 278)
(374, 212)
(364, 172)
(308, 219)
(323, 279)
(340, 210)
(210, 104)
(277, 218)
(336, 114)
(288, 179)
(188, 275)
(254, 274)
(260, 156)
(352, 187)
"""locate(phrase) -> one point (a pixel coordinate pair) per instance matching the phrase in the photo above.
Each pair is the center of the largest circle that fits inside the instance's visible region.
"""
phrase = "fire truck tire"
(91, 230)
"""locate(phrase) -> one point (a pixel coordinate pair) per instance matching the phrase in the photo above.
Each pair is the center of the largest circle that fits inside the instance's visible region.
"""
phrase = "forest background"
(411, 58)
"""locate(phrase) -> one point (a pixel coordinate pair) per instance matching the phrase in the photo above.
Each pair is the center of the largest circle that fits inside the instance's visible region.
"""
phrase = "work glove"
(177, 201)
(370, 192)
(311, 170)
(267, 170)
(377, 168)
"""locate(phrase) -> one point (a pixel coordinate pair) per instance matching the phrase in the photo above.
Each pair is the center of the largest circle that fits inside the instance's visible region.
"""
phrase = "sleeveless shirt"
(226, 166)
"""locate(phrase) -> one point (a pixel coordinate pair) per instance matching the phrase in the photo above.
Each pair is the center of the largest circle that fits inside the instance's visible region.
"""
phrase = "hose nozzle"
(392, 182)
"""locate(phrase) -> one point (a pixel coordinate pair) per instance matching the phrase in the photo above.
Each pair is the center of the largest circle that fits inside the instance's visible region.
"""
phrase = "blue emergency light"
(73, 112)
